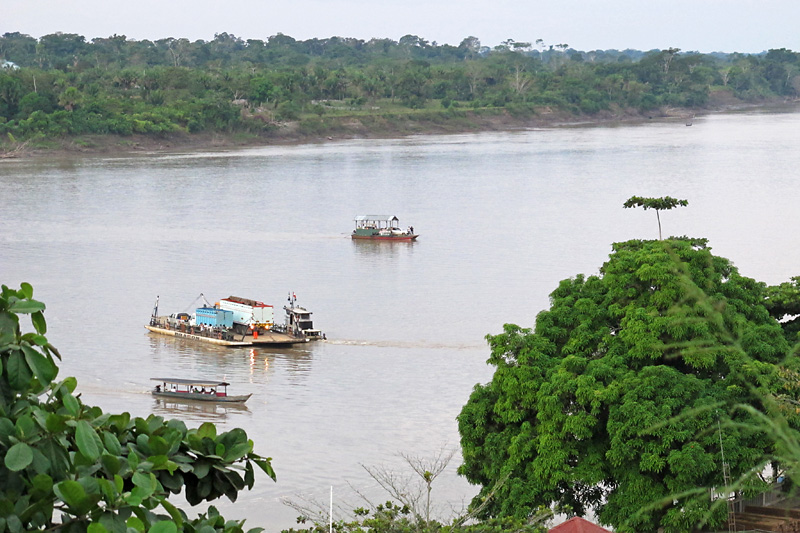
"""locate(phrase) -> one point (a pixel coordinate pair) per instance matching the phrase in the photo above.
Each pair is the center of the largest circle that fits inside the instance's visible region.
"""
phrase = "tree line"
(63, 85)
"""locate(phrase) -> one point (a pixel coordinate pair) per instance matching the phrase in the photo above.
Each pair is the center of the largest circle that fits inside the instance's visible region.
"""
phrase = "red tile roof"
(578, 525)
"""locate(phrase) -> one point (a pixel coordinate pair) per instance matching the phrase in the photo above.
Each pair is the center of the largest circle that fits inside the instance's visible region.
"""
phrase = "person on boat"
(158, 388)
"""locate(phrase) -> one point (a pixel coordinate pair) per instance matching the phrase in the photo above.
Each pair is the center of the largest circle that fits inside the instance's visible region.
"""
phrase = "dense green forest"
(62, 85)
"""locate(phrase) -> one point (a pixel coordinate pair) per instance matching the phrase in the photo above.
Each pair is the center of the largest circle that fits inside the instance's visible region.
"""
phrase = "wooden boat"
(381, 228)
(201, 390)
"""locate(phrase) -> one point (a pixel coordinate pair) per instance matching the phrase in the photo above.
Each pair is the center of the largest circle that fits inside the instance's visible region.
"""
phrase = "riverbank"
(364, 126)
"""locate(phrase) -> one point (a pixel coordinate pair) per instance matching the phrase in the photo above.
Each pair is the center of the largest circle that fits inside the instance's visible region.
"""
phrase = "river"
(503, 217)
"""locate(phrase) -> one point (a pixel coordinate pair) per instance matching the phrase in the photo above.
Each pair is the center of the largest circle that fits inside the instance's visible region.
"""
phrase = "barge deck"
(268, 338)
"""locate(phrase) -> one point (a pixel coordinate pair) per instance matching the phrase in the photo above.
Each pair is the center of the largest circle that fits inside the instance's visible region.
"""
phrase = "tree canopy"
(64, 85)
(624, 397)
(659, 204)
(70, 467)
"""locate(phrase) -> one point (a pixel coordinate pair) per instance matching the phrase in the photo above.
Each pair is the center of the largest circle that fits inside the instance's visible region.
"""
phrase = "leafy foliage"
(69, 86)
(71, 467)
(625, 394)
(659, 204)
(783, 302)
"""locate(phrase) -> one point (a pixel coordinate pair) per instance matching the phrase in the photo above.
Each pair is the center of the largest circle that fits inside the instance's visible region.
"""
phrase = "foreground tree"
(627, 394)
(659, 204)
(70, 467)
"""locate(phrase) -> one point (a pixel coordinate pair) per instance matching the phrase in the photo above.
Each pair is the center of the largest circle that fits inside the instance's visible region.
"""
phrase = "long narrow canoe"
(200, 390)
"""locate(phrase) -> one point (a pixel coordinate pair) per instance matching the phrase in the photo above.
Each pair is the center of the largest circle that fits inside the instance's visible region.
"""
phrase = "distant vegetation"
(62, 85)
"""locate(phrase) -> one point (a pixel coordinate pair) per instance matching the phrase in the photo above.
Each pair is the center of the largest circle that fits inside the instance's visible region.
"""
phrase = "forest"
(65, 86)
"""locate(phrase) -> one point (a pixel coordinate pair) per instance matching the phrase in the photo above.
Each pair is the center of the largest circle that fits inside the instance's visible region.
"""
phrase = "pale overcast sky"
(748, 26)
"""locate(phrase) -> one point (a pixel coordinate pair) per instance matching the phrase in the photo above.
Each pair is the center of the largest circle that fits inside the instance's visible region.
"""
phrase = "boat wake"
(406, 344)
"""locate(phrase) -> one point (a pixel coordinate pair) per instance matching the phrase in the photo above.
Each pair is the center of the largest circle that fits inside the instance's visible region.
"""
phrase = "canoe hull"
(201, 397)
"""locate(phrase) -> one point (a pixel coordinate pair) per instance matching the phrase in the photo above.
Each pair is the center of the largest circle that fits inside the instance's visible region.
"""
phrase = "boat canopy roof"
(376, 218)
(196, 382)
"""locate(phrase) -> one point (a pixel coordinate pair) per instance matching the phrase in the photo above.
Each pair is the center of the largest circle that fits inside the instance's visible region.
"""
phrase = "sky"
(747, 26)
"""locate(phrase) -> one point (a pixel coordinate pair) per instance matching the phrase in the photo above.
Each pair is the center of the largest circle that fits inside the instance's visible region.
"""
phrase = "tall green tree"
(612, 403)
(69, 467)
(659, 204)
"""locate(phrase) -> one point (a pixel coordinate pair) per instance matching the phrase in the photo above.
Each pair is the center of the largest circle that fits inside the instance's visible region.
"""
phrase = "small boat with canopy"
(382, 228)
(202, 390)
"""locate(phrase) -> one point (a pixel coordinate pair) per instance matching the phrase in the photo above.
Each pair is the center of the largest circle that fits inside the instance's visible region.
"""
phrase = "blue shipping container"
(211, 316)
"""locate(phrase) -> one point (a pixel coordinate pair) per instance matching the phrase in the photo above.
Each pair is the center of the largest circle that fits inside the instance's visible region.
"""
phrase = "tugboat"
(298, 321)
(381, 228)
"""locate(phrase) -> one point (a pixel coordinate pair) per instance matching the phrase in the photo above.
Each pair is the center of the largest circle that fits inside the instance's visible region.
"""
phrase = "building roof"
(578, 525)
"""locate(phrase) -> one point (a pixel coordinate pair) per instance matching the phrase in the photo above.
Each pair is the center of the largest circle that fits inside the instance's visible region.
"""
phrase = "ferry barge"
(234, 322)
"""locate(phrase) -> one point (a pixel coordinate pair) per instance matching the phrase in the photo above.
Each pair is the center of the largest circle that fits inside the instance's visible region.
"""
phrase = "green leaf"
(26, 306)
(25, 427)
(39, 323)
(158, 445)
(238, 451)
(201, 469)
(165, 526)
(39, 340)
(14, 524)
(112, 443)
(43, 368)
(111, 463)
(107, 488)
(55, 423)
(96, 528)
(86, 438)
(207, 429)
(8, 328)
(266, 466)
(135, 523)
(68, 384)
(18, 457)
(173, 512)
(71, 403)
(145, 481)
(71, 492)
(133, 460)
(113, 522)
(26, 289)
(18, 373)
(43, 483)
(6, 430)
(136, 496)
(41, 464)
